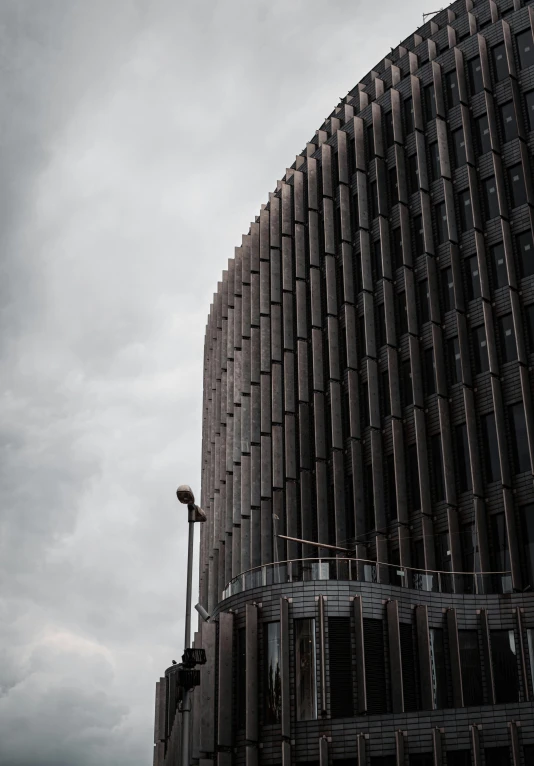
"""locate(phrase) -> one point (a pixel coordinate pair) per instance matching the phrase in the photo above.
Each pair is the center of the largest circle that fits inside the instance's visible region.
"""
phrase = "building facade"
(368, 385)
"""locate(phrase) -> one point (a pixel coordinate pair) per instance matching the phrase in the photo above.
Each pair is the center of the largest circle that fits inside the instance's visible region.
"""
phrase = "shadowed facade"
(368, 385)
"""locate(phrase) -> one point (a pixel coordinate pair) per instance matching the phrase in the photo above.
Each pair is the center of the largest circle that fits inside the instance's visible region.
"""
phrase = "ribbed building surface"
(368, 385)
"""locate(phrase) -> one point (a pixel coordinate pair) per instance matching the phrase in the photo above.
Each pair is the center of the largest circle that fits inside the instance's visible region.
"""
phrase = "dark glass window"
(392, 491)
(498, 263)
(435, 169)
(402, 313)
(525, 48)
(381, 325)
(517, 185)
(364, 401)
(419, 235)
(421, 759)
(377, 265)
(529, 314)
(408, 116)
(491, 201)
(397, 248)
(528, 752)
(505, 676)
(418, 553)
(471, 671)
(458, 758)
(437, 467)
(389, 129)
(507, 337)
(272, 681)
(474, 72)
(447, 289)
(518, 428)
(413, 479)
(480, 349)
(508, 123)
(355, 212)
(497, 756)
(430, 102)
(470, 548)
(305, 670)
(339, 666)
(458, 147)
(424, 298)
(384, 760)
(413, 174)
(451, 89)
(430, 372)
(529, 103)
(483, 137)
(370, 141)
(472, 277)
(409, 676)
(358, 283)
(439, 669)
(384, 392)
(454, 360)
(369, 496)
(490, 447)
(466, 212)
(241, 690)
(406, 370)
(464, 464)
(374, 199)
(393, 185)
(375, 666)
(441, 220)
(527, 526)
(362, 344)
(525, 247)
(443, 552)
(500, 65)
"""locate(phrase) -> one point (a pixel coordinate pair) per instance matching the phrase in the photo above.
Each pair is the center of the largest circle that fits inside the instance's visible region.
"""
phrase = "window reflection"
(439, 673)
(470, 663)
(474, 71)
(272, 679)
(305, 670)
(483, 134)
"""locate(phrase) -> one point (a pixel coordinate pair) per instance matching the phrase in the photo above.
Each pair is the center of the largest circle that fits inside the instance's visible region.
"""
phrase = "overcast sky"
(137, 141)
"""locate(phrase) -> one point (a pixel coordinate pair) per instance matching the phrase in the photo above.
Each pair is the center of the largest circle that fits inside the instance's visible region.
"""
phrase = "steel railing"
(363, 570)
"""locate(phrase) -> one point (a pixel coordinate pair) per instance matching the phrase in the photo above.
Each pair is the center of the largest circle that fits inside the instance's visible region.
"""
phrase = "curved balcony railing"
(362, 570)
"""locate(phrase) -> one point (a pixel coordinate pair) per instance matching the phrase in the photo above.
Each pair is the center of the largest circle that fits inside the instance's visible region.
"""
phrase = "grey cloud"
(137, 141)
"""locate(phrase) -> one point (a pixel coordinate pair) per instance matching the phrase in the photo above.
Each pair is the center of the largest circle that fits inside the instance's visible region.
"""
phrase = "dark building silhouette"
(368, 385)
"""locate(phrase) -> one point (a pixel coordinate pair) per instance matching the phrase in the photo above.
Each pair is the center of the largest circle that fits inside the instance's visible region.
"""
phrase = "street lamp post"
(194, 514)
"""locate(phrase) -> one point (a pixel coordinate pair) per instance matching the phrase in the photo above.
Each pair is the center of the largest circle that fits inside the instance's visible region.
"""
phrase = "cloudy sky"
(138, 139)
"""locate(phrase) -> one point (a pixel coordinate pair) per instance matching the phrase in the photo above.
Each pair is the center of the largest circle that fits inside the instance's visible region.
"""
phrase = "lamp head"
(202, 612)
(185, 495)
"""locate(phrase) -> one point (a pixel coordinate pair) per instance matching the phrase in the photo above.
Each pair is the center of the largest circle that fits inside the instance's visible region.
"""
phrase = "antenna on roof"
(430, 13)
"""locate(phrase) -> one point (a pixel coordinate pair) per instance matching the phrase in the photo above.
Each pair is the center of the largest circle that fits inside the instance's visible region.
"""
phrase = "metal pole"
(189, 587)
(186, 699)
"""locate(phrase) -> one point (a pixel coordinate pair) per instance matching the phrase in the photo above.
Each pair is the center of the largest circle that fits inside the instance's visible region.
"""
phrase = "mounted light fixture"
(202, 612)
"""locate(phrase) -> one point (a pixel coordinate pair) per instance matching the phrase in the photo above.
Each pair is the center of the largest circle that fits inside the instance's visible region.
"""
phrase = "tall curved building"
(368, 387)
